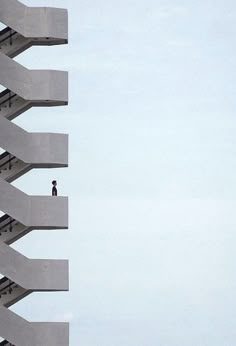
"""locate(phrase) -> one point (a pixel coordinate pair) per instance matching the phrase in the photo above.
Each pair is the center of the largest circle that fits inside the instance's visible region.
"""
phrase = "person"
(54, 189)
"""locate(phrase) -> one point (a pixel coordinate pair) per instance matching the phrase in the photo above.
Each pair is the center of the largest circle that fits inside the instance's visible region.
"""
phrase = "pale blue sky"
(152, 173)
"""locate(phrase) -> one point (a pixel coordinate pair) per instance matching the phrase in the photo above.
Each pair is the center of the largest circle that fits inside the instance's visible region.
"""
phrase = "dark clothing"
(54, 191)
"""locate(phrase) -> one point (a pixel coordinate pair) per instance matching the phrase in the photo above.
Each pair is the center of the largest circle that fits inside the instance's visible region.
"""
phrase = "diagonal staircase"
(11, 230)
(12, 43)
(11, 293)
(11, 167)
(37, 334)
(12, 105)
(23, 151)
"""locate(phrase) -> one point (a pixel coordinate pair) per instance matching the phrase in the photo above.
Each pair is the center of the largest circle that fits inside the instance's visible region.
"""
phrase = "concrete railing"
(33, 85)
(20, 332)
(33, 274)
(38, 212)
(34, 22)
(40, 149)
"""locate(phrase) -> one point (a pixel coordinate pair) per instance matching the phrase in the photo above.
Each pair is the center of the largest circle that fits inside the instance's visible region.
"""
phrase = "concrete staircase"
(23, 151)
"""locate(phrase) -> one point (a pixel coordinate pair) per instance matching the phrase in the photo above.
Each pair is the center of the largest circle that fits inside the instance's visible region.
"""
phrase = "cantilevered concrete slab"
(34, 22)
(39, 212)
(33, 274)
(20, 332)
(33, 85)
(40, 149)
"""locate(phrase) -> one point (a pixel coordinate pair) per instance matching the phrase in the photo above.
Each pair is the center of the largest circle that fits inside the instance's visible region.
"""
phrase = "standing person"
(54, 189)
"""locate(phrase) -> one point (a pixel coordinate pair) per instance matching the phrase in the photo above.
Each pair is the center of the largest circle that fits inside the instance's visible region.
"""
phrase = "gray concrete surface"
(33, 274)
(20, 332)
(36, 148)
(34, 21)
(33, 85)
(32, 88)
(39, 212)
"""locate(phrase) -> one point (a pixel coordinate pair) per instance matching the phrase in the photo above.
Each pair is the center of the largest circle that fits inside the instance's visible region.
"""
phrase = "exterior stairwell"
(11, 293)
(24, 88)
(11, 230)
(20, 332)
(11, 167)
(36, 150)
(12, 105)
(12, 43)
(36, 275)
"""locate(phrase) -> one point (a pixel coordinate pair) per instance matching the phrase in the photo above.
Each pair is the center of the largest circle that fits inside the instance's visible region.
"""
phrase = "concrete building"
(24, 151)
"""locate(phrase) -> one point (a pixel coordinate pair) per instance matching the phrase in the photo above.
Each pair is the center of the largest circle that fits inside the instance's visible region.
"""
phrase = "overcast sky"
(152, 173)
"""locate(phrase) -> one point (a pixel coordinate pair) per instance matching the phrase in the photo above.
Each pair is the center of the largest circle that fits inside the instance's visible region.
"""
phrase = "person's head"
(54, 183)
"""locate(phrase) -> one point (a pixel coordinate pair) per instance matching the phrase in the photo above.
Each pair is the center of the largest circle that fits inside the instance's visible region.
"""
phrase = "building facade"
(23, 151)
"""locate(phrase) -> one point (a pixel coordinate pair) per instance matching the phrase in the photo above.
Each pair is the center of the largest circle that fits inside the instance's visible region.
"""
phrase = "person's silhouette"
(54, 189)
